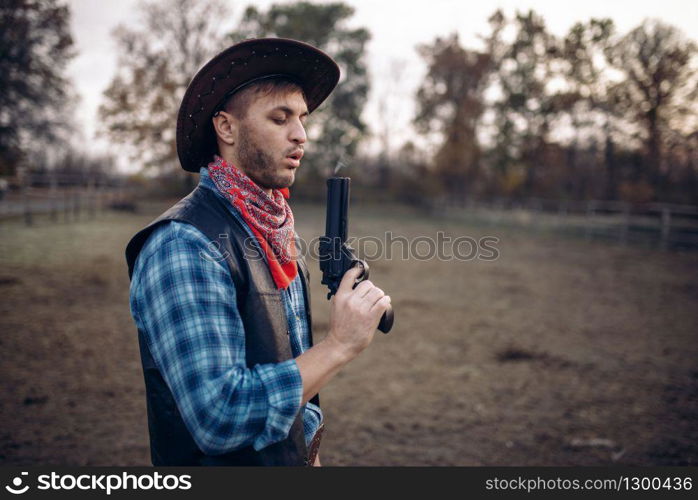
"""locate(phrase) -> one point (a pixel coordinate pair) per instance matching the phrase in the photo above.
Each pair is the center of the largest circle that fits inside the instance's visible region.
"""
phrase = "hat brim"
(314, 70)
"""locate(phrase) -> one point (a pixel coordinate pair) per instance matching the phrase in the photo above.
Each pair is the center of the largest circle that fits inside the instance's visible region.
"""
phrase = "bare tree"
(528, 105)
(390, 102)
(659, 91)
(156, 62)
(589, 106)
(450, 102)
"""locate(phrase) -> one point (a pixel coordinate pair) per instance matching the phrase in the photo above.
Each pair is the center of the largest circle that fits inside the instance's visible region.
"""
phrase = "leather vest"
(266, 335)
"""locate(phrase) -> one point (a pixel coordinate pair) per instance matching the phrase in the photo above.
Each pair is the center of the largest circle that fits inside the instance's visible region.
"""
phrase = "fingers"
(366, 295)
(373, 296)
(381, 304)
(363, 288)
(349, 278)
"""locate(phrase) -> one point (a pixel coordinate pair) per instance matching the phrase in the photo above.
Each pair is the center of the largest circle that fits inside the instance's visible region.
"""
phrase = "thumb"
(349, 278)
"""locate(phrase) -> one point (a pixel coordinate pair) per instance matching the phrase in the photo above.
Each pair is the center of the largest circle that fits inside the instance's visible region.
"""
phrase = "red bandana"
(270, 218)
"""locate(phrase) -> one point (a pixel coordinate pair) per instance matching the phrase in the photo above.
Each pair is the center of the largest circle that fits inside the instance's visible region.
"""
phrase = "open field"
(559, 352)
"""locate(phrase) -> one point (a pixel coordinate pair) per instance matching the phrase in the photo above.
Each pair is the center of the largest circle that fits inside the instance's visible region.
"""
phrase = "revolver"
(336, 256)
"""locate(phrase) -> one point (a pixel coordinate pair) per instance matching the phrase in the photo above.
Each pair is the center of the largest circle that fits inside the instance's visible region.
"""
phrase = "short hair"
(239, 103)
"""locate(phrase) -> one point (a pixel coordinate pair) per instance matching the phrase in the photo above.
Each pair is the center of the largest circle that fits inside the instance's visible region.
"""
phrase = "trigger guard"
(364, 275)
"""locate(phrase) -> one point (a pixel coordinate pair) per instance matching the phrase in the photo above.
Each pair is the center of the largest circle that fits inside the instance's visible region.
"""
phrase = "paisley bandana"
(269, 217)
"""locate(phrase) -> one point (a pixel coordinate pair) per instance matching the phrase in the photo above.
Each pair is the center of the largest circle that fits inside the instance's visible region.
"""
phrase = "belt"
(314, 446)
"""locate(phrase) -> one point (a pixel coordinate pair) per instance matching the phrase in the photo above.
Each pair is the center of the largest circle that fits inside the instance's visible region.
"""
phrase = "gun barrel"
(336, 223)
(336, 257)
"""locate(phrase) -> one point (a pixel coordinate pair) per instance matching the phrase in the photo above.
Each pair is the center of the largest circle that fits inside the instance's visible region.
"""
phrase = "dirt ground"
(559, 352)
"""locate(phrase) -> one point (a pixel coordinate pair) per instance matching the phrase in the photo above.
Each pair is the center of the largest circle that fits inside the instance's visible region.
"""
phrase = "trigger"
(364, 274)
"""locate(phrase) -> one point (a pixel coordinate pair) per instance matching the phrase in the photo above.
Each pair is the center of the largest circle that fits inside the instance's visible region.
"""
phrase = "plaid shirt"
(183, 300)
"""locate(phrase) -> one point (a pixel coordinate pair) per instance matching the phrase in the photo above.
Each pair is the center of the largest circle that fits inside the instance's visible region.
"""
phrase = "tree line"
(37, 100)
(591, 114)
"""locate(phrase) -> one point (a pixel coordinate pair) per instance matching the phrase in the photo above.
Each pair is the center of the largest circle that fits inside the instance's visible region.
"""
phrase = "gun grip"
(386, 322)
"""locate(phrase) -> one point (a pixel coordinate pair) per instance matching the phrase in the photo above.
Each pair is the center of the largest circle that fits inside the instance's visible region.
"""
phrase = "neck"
(266, 190)
(233, 161)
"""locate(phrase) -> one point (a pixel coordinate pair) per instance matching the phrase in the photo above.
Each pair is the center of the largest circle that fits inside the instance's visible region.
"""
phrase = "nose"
(297, 134)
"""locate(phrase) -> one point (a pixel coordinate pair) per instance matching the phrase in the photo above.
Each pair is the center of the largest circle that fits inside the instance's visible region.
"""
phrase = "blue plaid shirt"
(183, 300)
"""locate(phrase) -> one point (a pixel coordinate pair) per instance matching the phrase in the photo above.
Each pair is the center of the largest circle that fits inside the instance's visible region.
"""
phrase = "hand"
(355, 313)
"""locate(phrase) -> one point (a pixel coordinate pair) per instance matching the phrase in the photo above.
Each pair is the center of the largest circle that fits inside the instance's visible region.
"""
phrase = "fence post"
(66, 205)
(52, 196)
(99, 202)
(91, 198)
(26, 182)
(625, 223)
(591, 207)
(666, 227)
(561, 214)
(537, 214)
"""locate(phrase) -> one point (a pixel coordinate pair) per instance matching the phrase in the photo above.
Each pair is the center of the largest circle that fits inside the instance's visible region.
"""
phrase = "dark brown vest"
(266, 335)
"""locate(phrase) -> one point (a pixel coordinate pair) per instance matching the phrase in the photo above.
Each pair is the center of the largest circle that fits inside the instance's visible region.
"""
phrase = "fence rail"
(667, 226)
(64, 203)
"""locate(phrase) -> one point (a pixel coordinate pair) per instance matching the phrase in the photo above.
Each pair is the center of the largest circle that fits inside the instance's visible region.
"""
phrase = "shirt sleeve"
(184, 300)
(312, 418)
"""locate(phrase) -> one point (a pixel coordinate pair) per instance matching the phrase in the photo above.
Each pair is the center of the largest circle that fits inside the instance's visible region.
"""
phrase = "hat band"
(250, 82)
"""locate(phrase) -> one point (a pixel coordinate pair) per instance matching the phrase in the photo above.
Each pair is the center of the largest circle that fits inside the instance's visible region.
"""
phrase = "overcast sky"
(396, 26)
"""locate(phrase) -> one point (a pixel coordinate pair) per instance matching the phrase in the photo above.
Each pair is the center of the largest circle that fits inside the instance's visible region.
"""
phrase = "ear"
(226, 127)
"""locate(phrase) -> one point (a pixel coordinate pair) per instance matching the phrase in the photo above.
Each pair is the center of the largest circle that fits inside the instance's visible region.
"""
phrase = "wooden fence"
(65, 203)
(667, 226)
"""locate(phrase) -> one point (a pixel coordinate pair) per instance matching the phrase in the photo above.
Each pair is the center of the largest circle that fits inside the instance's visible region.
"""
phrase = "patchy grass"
(559, 352)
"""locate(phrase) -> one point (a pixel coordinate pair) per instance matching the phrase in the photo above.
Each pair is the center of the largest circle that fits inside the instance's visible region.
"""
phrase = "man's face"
(271, 138)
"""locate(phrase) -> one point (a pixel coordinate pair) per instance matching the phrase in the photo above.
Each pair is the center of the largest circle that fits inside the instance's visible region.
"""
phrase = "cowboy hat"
(236, 67)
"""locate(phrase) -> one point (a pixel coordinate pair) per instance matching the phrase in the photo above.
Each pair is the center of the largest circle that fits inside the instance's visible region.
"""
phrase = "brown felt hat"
(235, 68)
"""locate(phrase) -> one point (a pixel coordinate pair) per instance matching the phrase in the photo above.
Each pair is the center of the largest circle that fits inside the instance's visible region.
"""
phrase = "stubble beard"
(259, 165)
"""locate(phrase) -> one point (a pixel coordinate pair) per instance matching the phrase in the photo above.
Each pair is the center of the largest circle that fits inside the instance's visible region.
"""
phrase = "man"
(219, 292)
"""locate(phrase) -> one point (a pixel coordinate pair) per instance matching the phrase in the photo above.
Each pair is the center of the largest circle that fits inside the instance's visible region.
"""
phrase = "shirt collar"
(205, 179)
